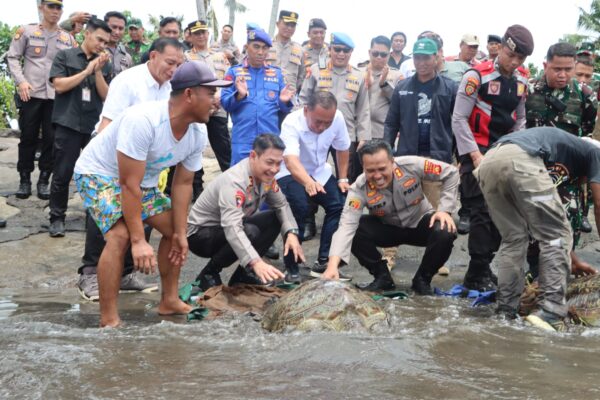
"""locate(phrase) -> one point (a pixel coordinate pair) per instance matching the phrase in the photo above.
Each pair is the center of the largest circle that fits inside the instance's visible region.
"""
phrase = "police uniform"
(348, 86)
(29, 59)
(399, 214)
(572, 108)
(288, 56)
(120, 59)
(380, 97)
(258, 112)
(221, 46)
(226, 223)
(488, 106)
(315, 56)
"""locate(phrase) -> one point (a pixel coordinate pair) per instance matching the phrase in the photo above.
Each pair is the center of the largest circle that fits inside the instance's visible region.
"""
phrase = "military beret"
(196, 26)
(258, 35)
(341, 39)
(494, 39)
(250, 26)
(518, 39)
(316, 23)
(288, 16)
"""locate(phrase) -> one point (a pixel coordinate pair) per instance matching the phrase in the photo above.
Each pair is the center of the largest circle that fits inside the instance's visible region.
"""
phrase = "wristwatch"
(343, 180)
(294, 231)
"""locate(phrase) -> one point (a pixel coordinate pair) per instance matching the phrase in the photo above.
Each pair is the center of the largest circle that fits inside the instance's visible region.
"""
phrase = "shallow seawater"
(434, 348)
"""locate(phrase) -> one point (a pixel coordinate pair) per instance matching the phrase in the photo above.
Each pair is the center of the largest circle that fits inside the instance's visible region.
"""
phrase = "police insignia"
(432, 168)
(37, 33)
(270, 72)
(354, 203)
(37, 50)
(417, 201)
(376, 199)
(251, 35)
(494, 88)
(240, 197)
(350, 95)
(471, 86)
(271, 94)
(379, 213)
(520, 89)
(275, 186)
(398, 173)
(409, 182)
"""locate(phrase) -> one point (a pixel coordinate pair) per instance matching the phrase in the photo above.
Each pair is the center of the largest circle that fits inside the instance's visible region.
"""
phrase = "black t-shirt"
(566, 156)
(80, 107)
(424, 92)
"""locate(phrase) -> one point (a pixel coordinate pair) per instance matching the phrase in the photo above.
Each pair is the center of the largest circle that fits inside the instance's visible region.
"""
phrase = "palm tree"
(234, 7)
(590, 20)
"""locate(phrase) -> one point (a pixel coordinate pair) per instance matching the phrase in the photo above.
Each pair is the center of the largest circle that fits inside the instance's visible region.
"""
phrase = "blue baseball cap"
(341, 39)
(258, 35)
(195, 73)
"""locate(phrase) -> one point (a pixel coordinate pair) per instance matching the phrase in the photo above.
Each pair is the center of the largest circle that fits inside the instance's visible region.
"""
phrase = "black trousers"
(34, 114)
(373, 233)
(484, 238)
(68, 144)
(261, 228)
(94, 245)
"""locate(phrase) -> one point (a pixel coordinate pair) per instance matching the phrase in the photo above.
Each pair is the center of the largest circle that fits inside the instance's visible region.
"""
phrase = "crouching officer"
(399, 213)
(226, 223)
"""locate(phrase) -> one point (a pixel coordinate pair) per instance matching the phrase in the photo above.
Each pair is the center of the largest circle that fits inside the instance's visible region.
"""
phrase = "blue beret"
(342, 39)
(250, 26)
(258, 35)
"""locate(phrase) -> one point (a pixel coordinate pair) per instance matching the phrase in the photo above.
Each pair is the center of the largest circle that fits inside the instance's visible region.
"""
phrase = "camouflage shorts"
(102, 198)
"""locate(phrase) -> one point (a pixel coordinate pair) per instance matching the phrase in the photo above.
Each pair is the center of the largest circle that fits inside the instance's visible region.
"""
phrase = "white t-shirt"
(312, 148)
(143, 132)
(407, 68)
(133, 86)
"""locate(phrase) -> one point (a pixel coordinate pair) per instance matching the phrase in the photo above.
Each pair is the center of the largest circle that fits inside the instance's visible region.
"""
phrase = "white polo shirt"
(312, 148)
(133, 86)
(143, 132)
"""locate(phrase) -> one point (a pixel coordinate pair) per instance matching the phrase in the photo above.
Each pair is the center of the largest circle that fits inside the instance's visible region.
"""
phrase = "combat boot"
(243, 276)
(421, 283)
(481, 278)
(24, 186)
(383, 279)
(310, 227)
(208, 278)
(43, 185)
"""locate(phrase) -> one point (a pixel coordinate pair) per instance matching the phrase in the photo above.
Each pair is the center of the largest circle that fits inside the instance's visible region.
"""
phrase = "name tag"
(86, 94)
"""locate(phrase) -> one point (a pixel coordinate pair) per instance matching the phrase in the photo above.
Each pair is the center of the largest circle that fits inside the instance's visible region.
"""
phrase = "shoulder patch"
(432, 168)
(354, 203)
(19, 33)
(240, 197)
(471, 86)
(398, 173)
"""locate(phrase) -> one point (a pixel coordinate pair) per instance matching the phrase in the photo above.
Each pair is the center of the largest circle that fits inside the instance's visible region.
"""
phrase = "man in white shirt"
(308, 134)
(117, 177)
(142, 83)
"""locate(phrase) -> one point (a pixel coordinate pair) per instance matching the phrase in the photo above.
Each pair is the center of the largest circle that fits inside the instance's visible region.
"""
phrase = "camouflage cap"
(134, 23)
(518, 39)
(586, 48)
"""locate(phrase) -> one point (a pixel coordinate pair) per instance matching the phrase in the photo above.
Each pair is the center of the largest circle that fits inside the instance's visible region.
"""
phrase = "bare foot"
(177, 307)
(110, 322)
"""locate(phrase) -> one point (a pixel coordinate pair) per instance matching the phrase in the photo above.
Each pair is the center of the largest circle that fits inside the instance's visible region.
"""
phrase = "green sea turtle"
(324, 305)
(583, 300)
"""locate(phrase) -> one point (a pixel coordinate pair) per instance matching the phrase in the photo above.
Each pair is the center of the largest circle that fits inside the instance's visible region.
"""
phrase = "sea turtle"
(583, 300)
(324, 305)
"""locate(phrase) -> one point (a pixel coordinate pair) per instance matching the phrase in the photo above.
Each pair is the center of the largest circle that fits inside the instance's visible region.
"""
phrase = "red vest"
(494, 113)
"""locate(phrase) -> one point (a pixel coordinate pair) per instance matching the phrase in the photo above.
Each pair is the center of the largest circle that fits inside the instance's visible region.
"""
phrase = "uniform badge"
(432, 168)
(37, 50)
(274, 186)
(270, 72)
(471, 86)
(494, 88)
(379, 213)
(350, 95)
(398, 173)
(240, 197)
(520, 89)
(417, 201)
(409, 182)
(376, 199)
(37, 33)
(354, 203)
(271, 94)
(251, 35)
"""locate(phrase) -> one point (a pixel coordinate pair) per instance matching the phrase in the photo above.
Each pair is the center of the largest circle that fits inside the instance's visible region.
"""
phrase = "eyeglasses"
(345, 50)
(382, 54)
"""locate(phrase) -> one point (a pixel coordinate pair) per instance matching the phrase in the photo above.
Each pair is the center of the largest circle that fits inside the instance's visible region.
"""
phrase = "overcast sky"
(451, 19)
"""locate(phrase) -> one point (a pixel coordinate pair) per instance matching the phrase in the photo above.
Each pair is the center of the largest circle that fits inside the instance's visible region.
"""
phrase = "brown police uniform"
(380, 98)
(120, 59)
(290, 58)
(315, 56)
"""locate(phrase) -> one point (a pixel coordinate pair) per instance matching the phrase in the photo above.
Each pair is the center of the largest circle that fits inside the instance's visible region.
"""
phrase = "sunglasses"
(382, 54)
(345, 50)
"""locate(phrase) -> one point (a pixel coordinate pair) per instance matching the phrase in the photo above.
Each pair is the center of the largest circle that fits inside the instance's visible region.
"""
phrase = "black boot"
(208, 278)
(2, 223)
(421, 286)
(464, 224)
(243, 276)
(480, 277)
(310, 227)
(24, 186)
(43, 185)
(383, 279)
(586, 227)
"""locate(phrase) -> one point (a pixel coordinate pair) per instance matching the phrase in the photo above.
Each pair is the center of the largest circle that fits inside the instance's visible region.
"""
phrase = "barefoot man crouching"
(117, 177)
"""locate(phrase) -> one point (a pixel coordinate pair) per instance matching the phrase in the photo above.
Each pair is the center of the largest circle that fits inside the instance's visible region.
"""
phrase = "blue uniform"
(258, 112)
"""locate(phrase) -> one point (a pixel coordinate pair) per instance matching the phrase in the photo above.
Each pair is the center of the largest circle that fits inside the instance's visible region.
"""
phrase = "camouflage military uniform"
(136, 49)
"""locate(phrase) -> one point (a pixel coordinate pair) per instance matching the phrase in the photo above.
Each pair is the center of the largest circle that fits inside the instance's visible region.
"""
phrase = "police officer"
(120, 59)
(398, 213)
(517, 184)
(257, 97)
(29, 60)
(226, 223)
(489, 104)
(287, 54)
(493, 46)
(218, 133)
(316, 51)
(347, 84)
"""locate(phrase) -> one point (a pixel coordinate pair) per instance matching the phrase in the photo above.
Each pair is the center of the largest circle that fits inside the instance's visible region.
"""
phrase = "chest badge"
(494, 88)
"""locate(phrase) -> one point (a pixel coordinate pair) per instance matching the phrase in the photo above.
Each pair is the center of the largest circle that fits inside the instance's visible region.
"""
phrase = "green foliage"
(534, 71)
(8, 110)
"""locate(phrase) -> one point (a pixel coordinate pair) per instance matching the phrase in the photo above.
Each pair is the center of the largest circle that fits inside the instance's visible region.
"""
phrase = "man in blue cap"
(256, 98)
(347, 84)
